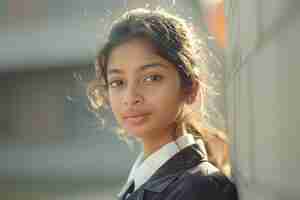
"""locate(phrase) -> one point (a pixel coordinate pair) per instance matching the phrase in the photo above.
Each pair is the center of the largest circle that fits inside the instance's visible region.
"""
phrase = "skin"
(143, 84)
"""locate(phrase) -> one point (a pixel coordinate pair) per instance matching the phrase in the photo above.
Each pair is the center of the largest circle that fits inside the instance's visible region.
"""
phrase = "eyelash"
(110, 84)
(154, 77)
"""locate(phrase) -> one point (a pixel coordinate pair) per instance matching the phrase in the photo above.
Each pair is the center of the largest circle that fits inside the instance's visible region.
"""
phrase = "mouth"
(135, 119)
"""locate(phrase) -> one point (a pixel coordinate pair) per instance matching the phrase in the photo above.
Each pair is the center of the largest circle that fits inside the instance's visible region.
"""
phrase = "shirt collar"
(141, 170)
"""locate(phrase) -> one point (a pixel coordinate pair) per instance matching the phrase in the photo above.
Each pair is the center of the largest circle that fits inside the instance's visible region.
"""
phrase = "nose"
(132, 96)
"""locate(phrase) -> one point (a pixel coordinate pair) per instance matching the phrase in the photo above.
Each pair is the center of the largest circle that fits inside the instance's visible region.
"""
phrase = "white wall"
(262, 97)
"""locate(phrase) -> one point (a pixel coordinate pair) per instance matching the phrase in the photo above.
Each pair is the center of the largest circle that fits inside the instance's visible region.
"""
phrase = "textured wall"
(262, 84)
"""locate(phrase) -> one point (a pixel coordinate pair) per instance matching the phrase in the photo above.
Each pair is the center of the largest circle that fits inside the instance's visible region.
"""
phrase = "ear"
(193, 92)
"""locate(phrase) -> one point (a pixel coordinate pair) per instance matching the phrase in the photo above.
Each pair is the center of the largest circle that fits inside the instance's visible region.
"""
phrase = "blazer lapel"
(187, 158)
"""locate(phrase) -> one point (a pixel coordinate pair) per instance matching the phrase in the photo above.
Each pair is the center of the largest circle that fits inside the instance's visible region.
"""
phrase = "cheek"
(167, 102)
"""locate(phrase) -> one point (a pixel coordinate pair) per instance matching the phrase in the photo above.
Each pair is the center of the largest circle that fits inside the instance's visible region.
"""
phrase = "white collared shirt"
(142, 170)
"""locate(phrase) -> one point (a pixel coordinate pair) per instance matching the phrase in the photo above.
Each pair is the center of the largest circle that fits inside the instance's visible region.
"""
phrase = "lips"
(135, 118)
(133, 115)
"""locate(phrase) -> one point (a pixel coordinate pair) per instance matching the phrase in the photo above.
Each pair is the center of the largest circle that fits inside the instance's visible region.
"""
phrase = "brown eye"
(154, 77)
(116, 83)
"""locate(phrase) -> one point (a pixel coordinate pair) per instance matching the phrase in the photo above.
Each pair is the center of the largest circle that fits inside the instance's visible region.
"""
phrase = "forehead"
(134, 54)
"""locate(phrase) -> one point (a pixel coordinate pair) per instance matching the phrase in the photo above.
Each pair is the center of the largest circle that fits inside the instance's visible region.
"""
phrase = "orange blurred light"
(216, 23)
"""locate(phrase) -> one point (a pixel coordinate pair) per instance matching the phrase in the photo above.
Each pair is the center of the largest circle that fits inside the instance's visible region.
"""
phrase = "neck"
(152, 144)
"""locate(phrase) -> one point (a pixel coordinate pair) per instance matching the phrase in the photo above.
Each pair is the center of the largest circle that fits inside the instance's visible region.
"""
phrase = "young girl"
(150, 72)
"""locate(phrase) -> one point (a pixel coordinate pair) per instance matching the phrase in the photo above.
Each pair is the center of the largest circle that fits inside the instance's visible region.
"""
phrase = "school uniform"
(177, 174)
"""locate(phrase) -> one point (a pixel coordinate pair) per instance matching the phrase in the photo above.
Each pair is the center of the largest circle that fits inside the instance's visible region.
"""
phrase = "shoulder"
(205, 182)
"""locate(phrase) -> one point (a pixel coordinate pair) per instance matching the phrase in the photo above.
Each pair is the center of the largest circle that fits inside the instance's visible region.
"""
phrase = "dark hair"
(173, 40)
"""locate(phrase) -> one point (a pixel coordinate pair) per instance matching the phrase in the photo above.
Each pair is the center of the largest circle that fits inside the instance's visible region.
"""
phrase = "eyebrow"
(142, 68)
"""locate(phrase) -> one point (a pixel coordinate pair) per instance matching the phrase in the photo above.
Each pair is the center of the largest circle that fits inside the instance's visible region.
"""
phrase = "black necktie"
(129, 190)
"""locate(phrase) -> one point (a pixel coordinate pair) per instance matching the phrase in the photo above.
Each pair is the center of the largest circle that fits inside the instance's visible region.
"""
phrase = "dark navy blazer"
(186, 176)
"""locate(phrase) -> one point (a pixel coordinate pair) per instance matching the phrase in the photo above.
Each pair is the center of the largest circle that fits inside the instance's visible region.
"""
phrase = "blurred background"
(53, 147)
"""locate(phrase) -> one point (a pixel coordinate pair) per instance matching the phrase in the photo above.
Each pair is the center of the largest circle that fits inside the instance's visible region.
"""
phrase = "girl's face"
(144, 91)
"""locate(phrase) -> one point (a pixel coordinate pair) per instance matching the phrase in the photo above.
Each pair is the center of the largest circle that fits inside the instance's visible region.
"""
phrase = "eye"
(154, 77)
(116, 83)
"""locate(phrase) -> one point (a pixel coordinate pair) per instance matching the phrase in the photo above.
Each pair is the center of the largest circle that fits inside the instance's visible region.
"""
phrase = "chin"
(138, 133)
